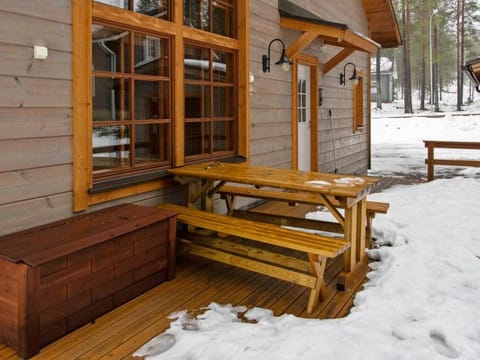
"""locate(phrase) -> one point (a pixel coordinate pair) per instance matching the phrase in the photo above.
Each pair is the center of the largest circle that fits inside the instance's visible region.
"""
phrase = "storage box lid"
(43, 243)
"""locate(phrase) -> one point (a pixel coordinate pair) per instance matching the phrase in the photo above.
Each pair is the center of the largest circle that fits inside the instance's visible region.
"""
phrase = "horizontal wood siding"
(36, 107)
(271, 98)
(35, 113)
(270, 93)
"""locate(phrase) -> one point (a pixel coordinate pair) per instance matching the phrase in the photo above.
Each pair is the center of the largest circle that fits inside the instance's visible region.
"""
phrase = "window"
(358, 105)
(157, 8)
(131, 101)
(302, 100)
(209, 99)
(151, 92)
(209, 15)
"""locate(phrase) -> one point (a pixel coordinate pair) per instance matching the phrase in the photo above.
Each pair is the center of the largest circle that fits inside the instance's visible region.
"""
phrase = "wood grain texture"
(21, 185)
(35, 153)
(20, 123)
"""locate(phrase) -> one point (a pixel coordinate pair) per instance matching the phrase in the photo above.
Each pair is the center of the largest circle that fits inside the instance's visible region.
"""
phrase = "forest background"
(439, 36)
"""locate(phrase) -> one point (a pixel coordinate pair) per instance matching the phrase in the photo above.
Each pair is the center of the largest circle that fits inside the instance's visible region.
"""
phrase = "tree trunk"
(423, 83)
(379, 82)
(406, 58)
(460, 8)
(435, 70)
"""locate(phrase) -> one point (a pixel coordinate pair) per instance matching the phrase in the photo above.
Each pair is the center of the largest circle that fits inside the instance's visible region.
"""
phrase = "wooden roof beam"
(301, 43)
(337, 59)
(333, 35)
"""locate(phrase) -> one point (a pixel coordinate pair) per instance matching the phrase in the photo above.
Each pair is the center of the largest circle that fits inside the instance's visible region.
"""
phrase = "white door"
(304, 123)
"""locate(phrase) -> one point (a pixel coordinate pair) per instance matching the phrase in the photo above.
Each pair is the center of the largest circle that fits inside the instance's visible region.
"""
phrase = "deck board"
(117, 334)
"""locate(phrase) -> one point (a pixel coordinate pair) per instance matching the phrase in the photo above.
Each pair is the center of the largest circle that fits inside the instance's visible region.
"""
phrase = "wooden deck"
(120, 332)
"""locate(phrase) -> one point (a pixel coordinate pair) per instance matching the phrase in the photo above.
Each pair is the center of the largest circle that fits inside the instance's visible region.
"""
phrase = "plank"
(19, 123)
(29, 184)
(238, 248)
(18, 61)
(26, 214)
(148, 326)
(57, 10)
(271, 234)
(283, 220)
(35, 153)
(57, 34)
(249, 264)
(125, 319)
(28, 92)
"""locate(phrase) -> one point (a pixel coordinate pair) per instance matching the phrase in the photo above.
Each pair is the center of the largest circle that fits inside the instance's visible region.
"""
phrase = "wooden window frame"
(82, 15)
(211, 118)
(133, 167)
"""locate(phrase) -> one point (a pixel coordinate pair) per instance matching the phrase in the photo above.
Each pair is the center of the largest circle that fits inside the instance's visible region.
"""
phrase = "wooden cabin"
(99, 98)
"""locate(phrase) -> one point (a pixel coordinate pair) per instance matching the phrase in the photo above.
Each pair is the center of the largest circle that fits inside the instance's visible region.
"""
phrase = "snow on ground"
(421, 300)
(397, 138)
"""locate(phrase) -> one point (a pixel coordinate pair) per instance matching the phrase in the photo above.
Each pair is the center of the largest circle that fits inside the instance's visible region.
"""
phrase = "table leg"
(355, 262)
(361, 226)
(197, 190)
(350, 256)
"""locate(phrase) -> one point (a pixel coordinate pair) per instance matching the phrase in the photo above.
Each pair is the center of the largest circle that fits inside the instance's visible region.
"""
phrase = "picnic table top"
(338, 185)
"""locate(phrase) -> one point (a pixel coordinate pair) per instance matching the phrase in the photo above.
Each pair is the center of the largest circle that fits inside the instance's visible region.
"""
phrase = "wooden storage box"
(56, 277)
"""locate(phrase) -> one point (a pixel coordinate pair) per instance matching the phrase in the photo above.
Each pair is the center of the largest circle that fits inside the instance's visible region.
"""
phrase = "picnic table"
(336, 192)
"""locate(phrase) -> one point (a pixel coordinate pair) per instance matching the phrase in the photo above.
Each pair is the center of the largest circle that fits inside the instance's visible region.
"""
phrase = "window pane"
(197, 101)
(196, 14)
(110, 49)
(117, 3)
(152, 100)
(111, 147)
(222, 66)
(111, 99)
(151, 55)
(156, 8)
(222, 20)
(151, 143)
(222, 101)
(222, 135)
(197, 63)
(207, 130)
(193, 138)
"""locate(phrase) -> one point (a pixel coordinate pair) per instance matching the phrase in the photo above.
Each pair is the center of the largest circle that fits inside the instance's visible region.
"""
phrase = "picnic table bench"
(204, 180)
(220, 245)
(230, 193)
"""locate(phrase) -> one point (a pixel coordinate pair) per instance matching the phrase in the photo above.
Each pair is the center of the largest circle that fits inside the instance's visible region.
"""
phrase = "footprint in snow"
(442, 345)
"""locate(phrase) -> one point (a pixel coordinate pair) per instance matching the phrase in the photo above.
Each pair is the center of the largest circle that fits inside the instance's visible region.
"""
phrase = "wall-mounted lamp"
(354, 77)
(283, 61)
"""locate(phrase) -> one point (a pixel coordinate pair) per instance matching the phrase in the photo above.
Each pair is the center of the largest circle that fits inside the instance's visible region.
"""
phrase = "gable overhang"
(472, 69)
(382, 23)
(312, 27)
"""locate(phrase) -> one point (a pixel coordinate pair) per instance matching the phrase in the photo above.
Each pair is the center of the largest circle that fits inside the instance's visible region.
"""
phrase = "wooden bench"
(220, 246)
(230, 192)
(430, 161)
